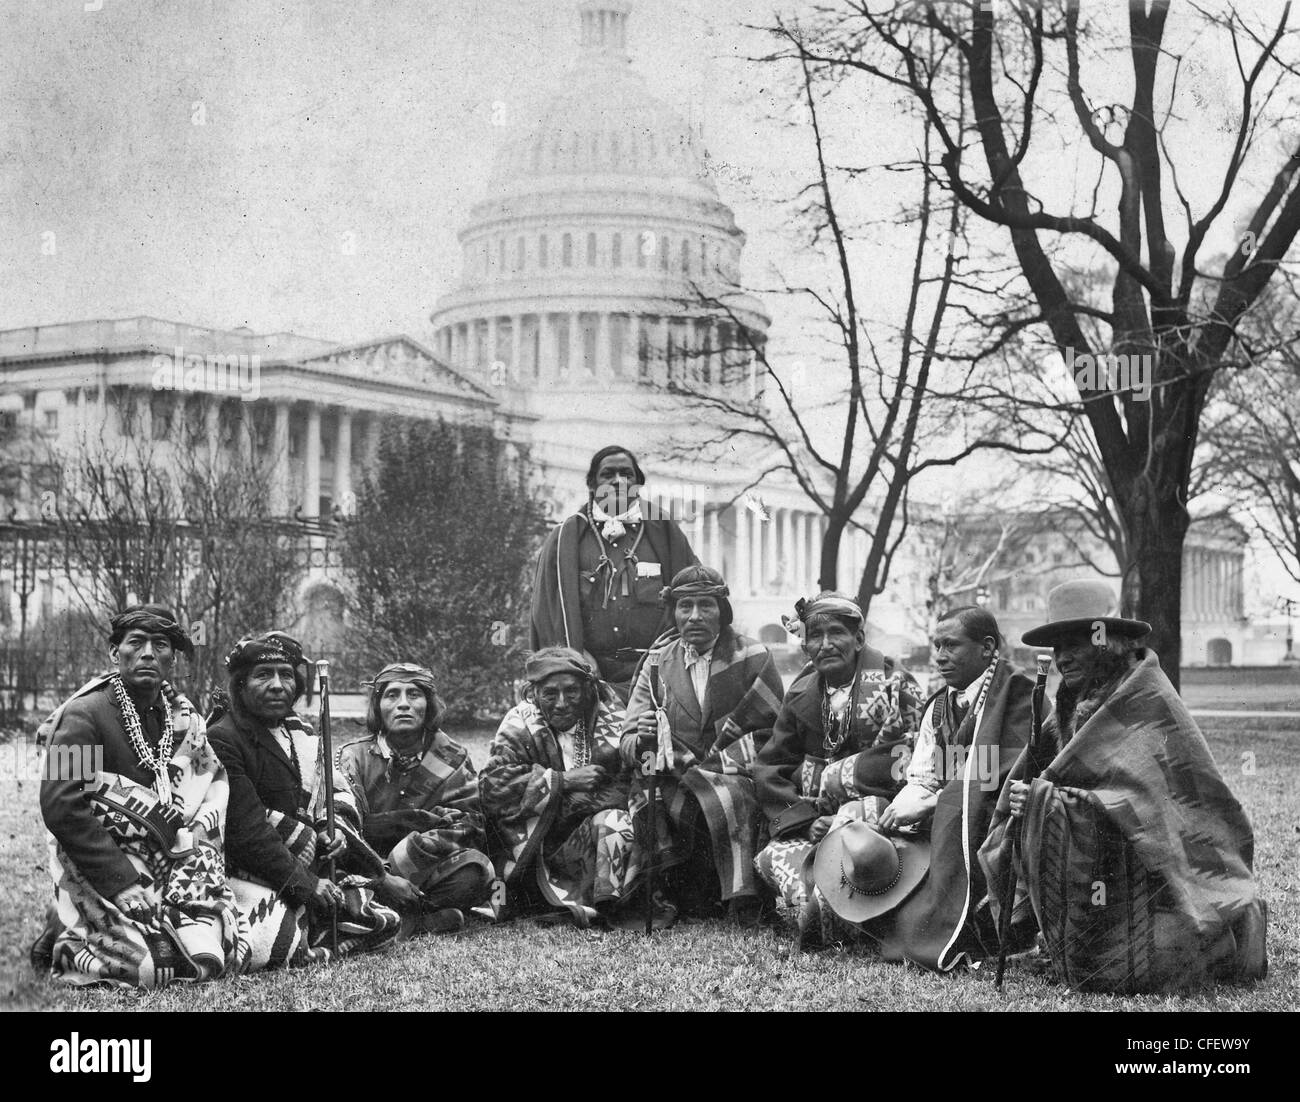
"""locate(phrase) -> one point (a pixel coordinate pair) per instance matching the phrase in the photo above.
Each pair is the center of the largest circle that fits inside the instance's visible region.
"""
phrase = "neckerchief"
(606, 565)
(615, 527)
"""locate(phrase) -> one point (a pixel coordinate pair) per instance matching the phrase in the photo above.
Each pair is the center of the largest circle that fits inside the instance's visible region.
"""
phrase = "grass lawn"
(703, 966)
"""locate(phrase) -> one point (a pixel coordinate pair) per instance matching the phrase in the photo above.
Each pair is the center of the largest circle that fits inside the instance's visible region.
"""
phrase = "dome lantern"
(604, 29)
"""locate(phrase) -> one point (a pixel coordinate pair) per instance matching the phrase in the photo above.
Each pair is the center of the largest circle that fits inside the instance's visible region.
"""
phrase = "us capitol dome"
(600, 264)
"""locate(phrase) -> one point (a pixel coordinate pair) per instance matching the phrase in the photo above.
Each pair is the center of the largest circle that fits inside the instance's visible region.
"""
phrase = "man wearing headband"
(844, 726)
(555, 794)
(599, 573)
(417, 794)
(134, 799)
(277, 844)
(719, 691)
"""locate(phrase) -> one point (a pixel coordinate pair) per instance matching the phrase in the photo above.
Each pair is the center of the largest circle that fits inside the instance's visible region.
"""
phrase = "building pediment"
(398, 360)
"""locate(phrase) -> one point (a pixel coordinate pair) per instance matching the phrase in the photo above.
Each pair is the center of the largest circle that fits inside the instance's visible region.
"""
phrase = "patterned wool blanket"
(570, 850)
(1136, 855)
(196, 933)
(713, 752)
(281, 935)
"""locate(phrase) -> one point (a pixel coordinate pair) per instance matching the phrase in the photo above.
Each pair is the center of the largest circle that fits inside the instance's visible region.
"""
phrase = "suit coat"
(736, 666)
(262, 779)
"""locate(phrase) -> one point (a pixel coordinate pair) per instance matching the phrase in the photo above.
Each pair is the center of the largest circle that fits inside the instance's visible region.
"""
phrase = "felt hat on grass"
(863, 873)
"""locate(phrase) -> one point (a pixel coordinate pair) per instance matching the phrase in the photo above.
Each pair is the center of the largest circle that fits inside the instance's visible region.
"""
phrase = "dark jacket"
(568, 608)
(94, 720)
(261, 780)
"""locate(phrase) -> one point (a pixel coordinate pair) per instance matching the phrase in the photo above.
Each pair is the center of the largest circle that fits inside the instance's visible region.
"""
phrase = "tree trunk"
(1159, 535)
(828, 568)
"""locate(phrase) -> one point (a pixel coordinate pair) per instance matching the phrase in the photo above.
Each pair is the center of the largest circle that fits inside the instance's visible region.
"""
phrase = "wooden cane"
(1017, 823)
(323, 676)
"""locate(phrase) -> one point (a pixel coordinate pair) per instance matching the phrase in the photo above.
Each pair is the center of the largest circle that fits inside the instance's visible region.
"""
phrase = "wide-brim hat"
(1078, 606)
(863, 873)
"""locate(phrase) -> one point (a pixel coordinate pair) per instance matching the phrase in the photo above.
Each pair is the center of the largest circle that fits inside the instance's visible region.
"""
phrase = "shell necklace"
(155, 761)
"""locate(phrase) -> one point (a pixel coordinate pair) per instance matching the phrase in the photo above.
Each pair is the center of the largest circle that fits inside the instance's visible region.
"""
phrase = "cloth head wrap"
(829, 603)
(699, 581)
(269, 646)
(419, 676)
(156, 620)
(552, 660)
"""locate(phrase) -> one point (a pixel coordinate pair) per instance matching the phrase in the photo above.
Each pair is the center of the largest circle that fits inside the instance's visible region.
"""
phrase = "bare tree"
(170, 517)
(1021, 68)
(904, 413)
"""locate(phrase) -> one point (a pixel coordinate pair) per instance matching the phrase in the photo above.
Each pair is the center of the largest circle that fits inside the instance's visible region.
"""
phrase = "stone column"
(697, 528)
(373, 431)
(787, 548)
(815, 554)
(493, 350)
(516, 347)
(800, 565)
(547, 369)
(663, 363)
(212, 428)
(742, 585)
(712, 541)
(604, 366)
(311, 464)
(475, 365)
(343, 462)
(280, 478)
(771, 560)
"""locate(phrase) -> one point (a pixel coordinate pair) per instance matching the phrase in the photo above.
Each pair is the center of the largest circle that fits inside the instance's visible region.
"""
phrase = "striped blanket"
(1136, 855)
(197, 932)
(281, 935)
(556, 849)
(714, 749)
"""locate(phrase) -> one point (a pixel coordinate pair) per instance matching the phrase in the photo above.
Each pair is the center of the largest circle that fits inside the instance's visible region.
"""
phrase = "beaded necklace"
(154, 761)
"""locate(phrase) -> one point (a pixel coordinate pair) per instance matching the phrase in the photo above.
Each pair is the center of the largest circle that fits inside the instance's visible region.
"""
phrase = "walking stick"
(1017, 823)
(652, 856)
(323, 676)
(651, 763)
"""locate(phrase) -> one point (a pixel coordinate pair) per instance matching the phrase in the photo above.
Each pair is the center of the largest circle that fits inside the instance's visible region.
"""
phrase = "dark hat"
(548, 661)
(155, 619)
(863, 873)
(416, 675)
(829, 603)
(269, 646)
(699, 581)
(1079, 606)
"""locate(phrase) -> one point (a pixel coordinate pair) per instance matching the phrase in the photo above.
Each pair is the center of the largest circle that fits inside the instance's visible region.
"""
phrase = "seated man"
(134, 799)
(417, 794)
(718, 690)
(277, 848)
(971, 733)
(842, 730)
(1136, 856)
(555, 794)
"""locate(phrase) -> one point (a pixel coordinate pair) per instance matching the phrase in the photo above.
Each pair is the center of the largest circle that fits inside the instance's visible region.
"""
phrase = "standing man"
(844, 726)
(599, 573)
(720, 691)
(134, 799)
(417, 794)
(1136, 856)
(277, 846)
